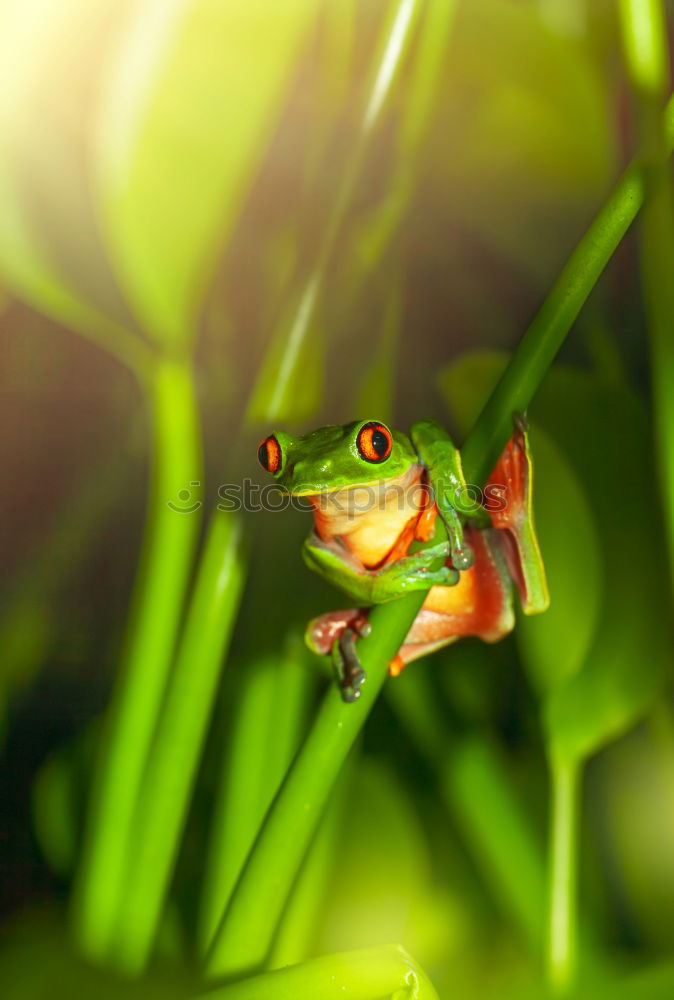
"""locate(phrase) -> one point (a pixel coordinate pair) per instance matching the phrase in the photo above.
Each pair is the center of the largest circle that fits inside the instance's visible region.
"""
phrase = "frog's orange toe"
(396, 666)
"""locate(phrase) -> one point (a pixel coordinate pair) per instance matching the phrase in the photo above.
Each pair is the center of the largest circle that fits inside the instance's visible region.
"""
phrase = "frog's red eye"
(374, 442)
(269, 454)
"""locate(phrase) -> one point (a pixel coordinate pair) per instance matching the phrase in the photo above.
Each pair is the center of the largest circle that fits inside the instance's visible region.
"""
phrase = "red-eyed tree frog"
(377, 492)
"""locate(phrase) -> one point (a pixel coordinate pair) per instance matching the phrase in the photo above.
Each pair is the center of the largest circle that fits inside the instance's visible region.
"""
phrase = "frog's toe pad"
(396, 666)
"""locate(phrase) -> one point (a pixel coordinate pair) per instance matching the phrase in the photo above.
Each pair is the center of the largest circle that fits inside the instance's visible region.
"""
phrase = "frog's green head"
(335, 458)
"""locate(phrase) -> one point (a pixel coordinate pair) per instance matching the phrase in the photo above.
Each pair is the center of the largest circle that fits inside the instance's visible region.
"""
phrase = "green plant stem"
(358, 975)
(166, 789)
(245, 935)
(136, 701)
(542, 340)
(644, 31)
(562, 888)
(296, 938)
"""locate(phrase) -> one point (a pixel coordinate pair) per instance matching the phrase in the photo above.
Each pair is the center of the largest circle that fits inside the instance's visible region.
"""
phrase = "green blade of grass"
(359, 975)
(166, 790)
(136, 701)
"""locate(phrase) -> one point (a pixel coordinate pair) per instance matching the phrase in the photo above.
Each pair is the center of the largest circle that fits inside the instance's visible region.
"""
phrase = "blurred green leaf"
(50, 252)
(56, 812)
(602, 433)
(189, 100)
(554, 645)
(633, 801)
(498, 833)
(37, 962)
(370, 974)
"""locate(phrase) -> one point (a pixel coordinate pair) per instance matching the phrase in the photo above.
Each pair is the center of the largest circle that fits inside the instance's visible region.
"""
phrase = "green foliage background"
(217, 218)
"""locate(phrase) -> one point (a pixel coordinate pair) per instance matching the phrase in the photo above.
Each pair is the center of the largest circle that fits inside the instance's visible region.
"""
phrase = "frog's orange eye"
(269, 454)
(374, 442)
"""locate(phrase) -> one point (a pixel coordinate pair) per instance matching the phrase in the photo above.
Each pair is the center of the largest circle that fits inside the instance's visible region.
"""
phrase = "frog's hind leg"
(508, 494)
(323, 632)
(479, 605)
(336, 632)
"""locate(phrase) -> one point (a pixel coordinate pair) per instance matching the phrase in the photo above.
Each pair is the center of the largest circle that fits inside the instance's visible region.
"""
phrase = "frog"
(393, 515)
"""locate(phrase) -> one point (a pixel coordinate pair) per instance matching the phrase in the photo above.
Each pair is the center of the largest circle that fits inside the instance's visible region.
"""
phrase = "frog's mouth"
(368, 497)
(373, 486)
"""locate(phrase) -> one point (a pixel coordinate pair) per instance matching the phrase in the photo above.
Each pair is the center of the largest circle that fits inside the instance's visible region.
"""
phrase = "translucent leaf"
(189, 101)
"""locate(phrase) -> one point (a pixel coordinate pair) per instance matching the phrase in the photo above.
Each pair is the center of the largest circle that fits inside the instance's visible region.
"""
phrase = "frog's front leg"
(377, 586)
(448, 485)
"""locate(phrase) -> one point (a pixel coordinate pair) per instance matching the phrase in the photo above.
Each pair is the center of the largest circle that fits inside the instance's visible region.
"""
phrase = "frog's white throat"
(369, 519)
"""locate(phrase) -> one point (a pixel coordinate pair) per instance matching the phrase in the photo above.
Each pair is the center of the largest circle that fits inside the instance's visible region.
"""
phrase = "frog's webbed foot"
(345, 659)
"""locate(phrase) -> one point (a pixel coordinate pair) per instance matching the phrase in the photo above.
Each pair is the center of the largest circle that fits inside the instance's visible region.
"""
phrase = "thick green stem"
(156, 612)
(166, 789)
(562, 888)
(244, 938)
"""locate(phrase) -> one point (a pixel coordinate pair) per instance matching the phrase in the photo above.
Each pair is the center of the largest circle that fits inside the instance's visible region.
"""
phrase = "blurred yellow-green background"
(224, 217)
